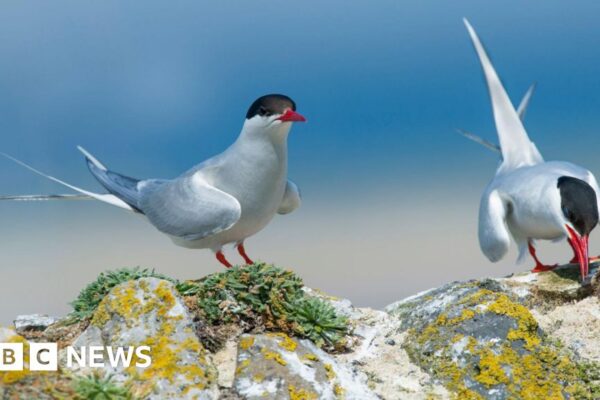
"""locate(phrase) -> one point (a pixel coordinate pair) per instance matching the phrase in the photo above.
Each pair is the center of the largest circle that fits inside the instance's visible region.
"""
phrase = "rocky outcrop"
(149, 312)
(257, 332)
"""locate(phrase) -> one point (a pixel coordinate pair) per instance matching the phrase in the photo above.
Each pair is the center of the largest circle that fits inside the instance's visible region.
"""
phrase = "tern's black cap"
(270, 104)
(578, 203)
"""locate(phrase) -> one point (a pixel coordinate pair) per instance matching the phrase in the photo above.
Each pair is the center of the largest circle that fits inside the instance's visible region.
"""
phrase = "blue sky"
(153, 88)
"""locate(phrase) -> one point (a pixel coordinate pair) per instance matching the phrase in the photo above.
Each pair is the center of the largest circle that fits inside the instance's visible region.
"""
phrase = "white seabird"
(223, 200)
(530, 199)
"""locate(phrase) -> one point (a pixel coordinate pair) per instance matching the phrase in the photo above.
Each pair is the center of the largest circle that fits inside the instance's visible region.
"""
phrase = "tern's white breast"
(534, 200)
(255, 173)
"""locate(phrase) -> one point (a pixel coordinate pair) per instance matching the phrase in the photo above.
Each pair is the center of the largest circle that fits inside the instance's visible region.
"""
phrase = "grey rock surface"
(275, 366)
(36, 322)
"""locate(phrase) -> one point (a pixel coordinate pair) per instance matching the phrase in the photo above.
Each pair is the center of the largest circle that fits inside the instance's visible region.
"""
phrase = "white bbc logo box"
(42, 357)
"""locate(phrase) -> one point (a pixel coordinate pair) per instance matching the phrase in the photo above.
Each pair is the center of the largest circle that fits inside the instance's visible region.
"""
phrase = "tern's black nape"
(578, 204)
(270, 104)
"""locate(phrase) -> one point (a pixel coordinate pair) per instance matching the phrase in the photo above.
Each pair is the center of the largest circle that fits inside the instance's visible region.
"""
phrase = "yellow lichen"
(310, 357)
(301, 394)
(168, 353)
(101, 315)
(457, 338)
(246, 342)
(242, 365)
(288, 343)
(258, 378)
(123, 301)
(463, 393)
(339, 391)
(526, 324)
(9, 377)
(491, 369)
(539, 372)
(166, 297)
(329, 371)
(444, 320)
(273, 355)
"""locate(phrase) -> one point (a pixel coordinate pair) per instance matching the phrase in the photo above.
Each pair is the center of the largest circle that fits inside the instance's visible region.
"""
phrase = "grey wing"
(291, 198)
(188, 207)
(494, 236)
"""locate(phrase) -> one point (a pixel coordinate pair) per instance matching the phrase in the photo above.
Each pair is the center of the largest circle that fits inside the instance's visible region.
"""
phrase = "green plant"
(187, 288)
(95, 387)
(319, 322)
(270, 297)
(247, 293)
(91, 296)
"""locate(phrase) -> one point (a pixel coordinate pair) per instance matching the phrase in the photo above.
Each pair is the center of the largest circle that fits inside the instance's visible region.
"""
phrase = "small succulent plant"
(96, 387)
(319, 322)
(270, 297)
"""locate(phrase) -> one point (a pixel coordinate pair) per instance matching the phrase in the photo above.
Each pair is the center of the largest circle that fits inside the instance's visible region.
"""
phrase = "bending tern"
(530, 199)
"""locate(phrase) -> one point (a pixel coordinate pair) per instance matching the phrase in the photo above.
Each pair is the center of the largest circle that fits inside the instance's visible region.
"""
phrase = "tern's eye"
(263, 112)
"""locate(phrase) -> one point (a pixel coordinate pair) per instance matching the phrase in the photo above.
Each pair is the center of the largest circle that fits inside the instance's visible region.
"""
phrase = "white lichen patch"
(250, 388)
(459, 348)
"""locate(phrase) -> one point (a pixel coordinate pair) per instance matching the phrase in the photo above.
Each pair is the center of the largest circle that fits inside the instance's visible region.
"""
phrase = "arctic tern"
(223, 200)
(530, 199)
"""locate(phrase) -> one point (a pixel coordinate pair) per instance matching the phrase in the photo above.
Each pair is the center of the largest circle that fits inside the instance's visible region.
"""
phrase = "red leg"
(221, 257)
(242, 252)
(539, 267)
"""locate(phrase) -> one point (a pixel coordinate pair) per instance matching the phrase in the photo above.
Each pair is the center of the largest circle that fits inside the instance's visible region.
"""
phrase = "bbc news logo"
(44, 357)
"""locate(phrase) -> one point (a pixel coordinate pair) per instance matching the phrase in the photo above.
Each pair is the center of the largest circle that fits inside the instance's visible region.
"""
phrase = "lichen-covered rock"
(149, 312)
(257, 332)
(8, 335)
(275, 366)
(483, 343)
(423, 308)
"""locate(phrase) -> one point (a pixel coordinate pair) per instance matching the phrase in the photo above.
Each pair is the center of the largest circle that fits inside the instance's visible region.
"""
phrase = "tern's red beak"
(580, 247)
(291, 116)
